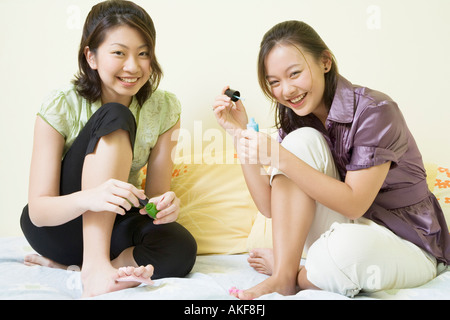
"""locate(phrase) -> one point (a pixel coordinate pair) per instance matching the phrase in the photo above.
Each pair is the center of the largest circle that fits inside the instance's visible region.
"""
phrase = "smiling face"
(122, 62)
(296, 79)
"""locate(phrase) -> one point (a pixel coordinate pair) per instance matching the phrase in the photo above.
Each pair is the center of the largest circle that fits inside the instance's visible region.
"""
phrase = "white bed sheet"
(210, 279)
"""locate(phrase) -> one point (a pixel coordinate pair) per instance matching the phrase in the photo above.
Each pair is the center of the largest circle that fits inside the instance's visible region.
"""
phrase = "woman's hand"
(258, 148)
(114, 196)
(168, 205)
(231, 116)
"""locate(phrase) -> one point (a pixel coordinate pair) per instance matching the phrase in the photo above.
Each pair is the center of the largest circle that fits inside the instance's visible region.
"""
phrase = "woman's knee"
(114, 111)
(183, 250)
(111, 118)
(170, 248)
(187, 252)
(310, 145)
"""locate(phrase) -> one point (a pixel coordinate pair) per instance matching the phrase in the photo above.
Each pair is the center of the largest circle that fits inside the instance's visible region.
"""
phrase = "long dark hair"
(102, 17)
(304, 37)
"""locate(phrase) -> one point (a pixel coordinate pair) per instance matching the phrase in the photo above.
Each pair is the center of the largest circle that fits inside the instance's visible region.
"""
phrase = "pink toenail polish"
(231, 290)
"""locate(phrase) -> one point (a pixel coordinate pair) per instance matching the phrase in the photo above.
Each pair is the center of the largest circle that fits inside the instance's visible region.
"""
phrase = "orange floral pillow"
(441, 189)
(442, 185)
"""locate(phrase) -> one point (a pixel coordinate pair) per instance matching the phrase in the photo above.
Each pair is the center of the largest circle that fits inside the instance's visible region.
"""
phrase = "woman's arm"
(351, 198)
(233, 118)
(258, 184)
(257, 180)
(46, 206)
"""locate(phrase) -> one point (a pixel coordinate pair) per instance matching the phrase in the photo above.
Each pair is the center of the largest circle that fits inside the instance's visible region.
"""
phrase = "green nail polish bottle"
(151, 209)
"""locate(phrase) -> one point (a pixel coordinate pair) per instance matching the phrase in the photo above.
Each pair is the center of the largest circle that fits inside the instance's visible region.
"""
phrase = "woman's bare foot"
(37, 260)
(139, 274)
(97, 281)
(270, 285)
(261, 260)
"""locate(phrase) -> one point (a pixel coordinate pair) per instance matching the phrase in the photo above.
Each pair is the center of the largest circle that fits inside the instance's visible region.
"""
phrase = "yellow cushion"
(216, 206)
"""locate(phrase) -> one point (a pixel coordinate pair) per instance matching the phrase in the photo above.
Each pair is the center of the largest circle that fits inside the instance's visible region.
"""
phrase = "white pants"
(346, 256)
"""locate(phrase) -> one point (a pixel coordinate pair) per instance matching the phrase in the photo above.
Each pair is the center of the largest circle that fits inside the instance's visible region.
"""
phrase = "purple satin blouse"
(366, 128)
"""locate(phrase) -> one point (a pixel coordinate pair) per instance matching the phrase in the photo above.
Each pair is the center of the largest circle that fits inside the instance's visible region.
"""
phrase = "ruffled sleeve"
(55, 111)
(67, 113)
(381, 136)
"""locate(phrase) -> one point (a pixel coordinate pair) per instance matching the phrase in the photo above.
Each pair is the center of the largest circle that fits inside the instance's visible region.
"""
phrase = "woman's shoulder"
(64, 99)
(61, 109)
(162, 100)
(371, 96)
(161, 111)
(162, 96)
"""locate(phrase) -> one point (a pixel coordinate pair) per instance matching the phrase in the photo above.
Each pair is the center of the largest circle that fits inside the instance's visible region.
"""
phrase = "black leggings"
(170, 248)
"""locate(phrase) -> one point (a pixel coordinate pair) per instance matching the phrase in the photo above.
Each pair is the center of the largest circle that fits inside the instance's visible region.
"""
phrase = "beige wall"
(399, 47)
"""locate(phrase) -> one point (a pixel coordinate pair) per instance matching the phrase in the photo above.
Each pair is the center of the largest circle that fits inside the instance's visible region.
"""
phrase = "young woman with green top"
(90, 142)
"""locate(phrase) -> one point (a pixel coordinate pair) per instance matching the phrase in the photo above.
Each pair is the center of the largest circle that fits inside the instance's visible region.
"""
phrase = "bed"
(217, 209)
